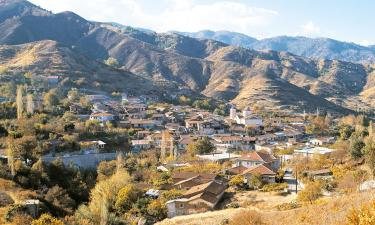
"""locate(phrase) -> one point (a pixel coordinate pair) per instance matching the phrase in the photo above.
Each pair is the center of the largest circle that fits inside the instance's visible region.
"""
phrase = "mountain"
(325, 48)
(230, 38)
(161, 63)
(320, 48)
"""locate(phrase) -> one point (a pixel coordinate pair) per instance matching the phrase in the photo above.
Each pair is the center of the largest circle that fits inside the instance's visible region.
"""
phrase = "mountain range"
(66, 44)
(319, 48)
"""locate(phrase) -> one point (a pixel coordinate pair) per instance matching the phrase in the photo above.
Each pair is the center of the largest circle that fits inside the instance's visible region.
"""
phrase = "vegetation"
(201, 146)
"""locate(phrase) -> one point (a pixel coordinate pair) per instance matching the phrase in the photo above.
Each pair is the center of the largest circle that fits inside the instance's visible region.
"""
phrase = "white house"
(247, 118)
(102, 117)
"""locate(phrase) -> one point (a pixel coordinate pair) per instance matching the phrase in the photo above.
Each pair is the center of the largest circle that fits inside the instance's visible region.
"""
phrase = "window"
(181, 205)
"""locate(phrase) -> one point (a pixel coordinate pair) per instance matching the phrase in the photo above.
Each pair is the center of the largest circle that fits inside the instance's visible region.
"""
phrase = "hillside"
(44, 58)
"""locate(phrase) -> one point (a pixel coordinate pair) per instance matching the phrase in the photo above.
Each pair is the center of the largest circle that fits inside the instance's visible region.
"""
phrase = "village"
(182, 156)
(253, 153)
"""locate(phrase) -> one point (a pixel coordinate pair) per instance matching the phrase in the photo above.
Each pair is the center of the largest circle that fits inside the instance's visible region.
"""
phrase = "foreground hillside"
(330, 210)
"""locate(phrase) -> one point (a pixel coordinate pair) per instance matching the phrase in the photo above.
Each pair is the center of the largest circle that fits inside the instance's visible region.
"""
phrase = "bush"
(247, 218)
(311, 192)
(277, 187)
(365, 215)
(46, 219)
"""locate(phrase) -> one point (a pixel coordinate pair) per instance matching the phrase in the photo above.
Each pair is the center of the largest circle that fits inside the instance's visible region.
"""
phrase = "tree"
(126, 197)
(47, 219)
(311, 192)
(256, 181)
(201, 146)
(60, 199)
(112, 62)
(157, 209)
(171, 194)
(370, 154)
(92, 126)
(22, 148)
(51, 99)
(237, 181)
(346, 132)
(356, 147)
(19, 102)
(106, 169)
(30, 106)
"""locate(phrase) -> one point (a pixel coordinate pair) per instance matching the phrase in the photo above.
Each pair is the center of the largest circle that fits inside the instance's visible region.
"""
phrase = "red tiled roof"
(258, 156)
(259, 169)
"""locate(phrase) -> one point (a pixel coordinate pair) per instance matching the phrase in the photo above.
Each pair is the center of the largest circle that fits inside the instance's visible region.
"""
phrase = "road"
(291, 181)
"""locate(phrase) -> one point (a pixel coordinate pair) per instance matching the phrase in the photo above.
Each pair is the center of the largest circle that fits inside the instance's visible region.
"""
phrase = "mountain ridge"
(208, 67)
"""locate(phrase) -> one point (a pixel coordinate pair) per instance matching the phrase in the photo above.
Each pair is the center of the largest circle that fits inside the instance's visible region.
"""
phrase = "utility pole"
(296, 180)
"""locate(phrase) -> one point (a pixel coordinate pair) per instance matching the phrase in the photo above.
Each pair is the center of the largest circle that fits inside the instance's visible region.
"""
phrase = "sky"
(345, 20)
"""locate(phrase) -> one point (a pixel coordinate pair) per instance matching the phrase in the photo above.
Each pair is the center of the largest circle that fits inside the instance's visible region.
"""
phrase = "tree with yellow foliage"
(47, 219)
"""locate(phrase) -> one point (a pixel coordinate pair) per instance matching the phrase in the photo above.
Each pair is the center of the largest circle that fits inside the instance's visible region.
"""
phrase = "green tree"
(22, 147)
(201, 146)
(356, 147)
(256, 181)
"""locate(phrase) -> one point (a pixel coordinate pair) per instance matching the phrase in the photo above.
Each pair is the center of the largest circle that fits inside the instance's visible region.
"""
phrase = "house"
(143, 134)
(140, 123)
(200, 198)
(94, 146)
(218, 157)
(102, 117)
(255, 158)
(266, 173)
(237, 170)
(96, 98)
(225, 142)
(323, 174)
(321, 141)
(311, 151)
(53, 80)
(77, 109)
(184, 141)
(246, 118)
(180, 176)
(139, 145)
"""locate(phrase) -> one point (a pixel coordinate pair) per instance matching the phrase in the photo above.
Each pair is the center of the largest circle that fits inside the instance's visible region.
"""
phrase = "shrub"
(277, 187)
(247, 218)
(46, 219)
(365, 215)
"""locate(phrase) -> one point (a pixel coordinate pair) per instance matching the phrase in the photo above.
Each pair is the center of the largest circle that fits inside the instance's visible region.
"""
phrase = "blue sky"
(346, 20)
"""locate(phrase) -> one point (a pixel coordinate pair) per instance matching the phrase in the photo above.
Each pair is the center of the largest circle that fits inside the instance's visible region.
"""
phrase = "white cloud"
(310, 28)
(183, 15)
